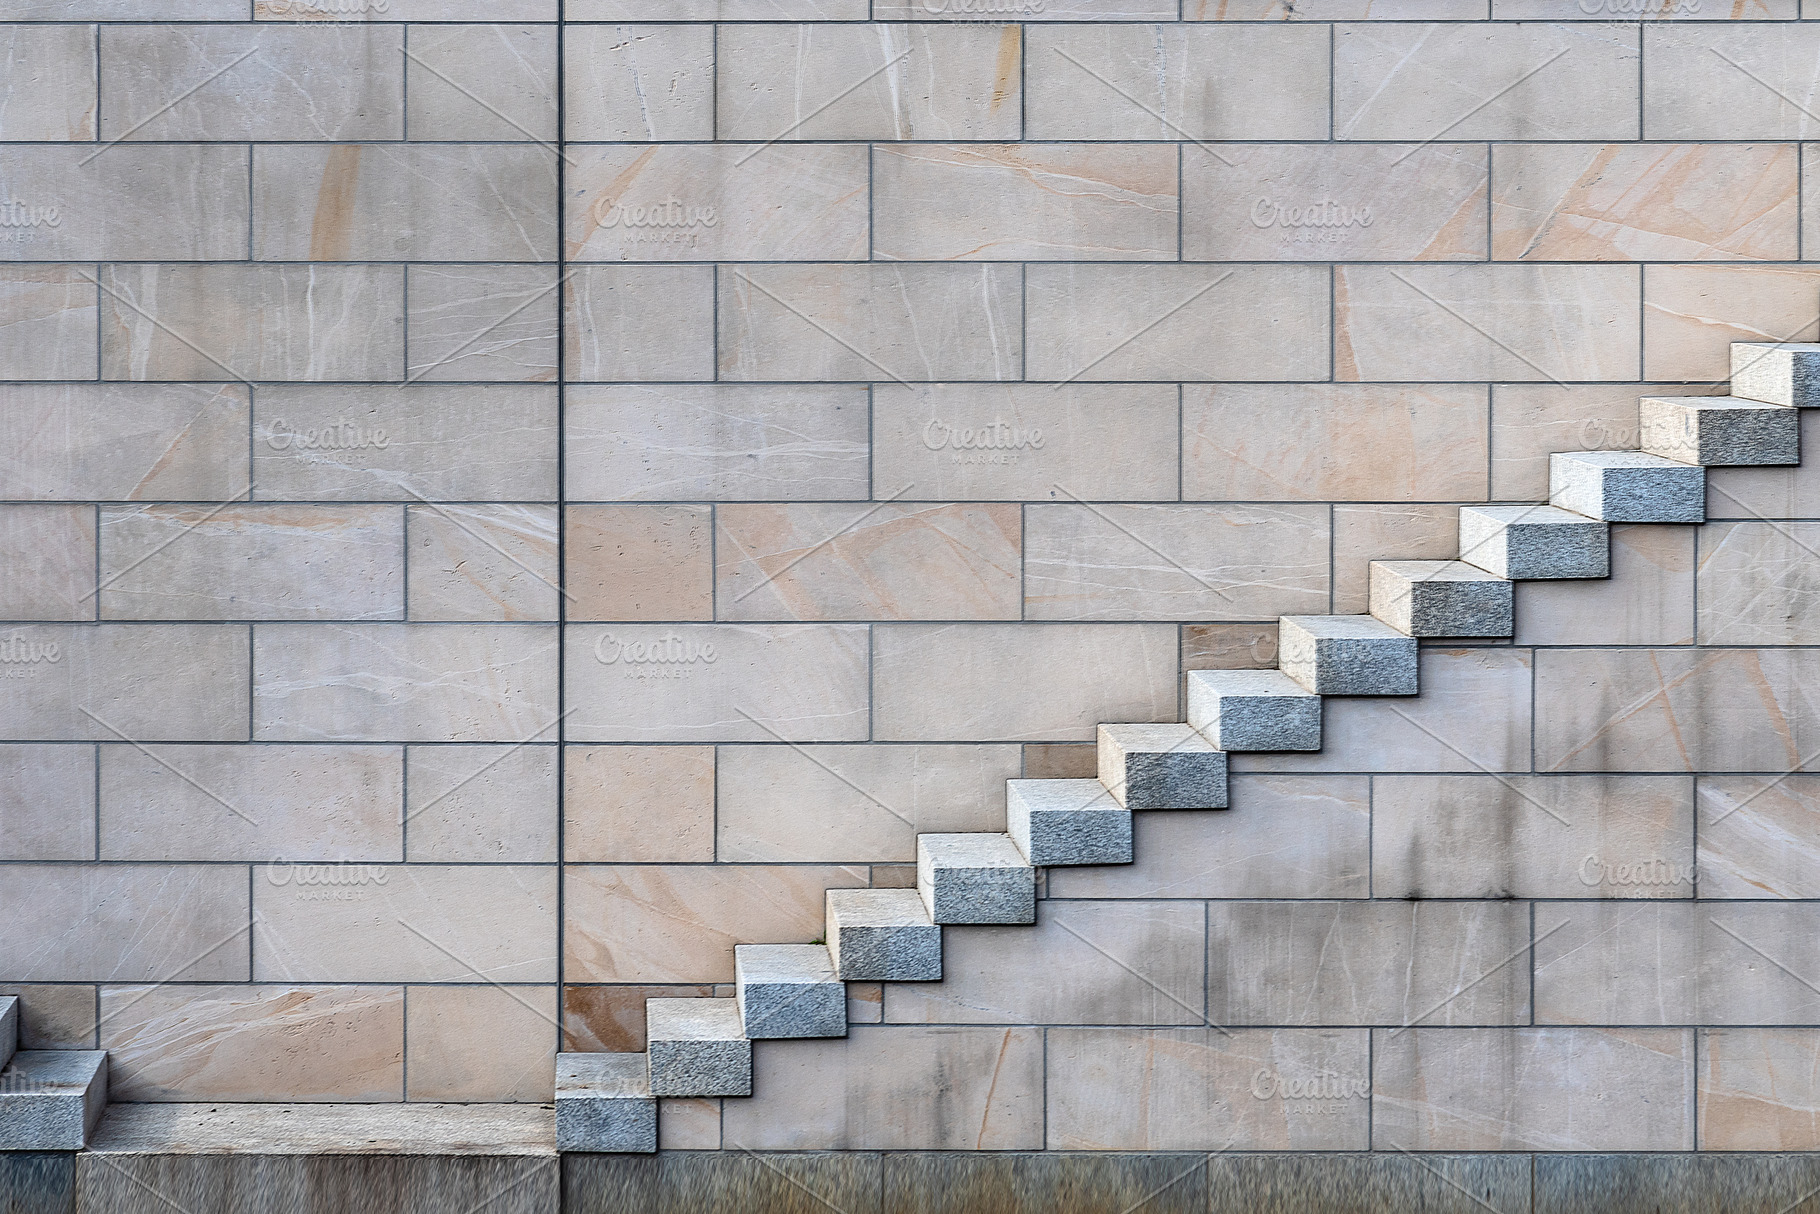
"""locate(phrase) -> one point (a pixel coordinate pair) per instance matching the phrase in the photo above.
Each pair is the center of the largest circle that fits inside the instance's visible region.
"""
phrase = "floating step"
(9, 1028)
(1719, 431)
(1249, 710)
(1627, 486)
(1526, 543)
(51, 1099)
(1346, 655)
(697, 1047)
(1162, 767)
(1441, 599)
(789, 990)
(976, 878)
(1067, 822)
(883, 935)
(1778, 373)
(604, 1103)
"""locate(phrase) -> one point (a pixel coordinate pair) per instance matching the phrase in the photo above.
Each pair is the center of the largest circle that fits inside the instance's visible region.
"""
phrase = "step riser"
(604, 1103)
(1628, 495)
(883, 935)
(1524, 551)
(1410, 597)
(1776, 375)
(1720, 436)
(1161, 767)
(1381, 665)
(1076, 824)
(1235, 721)
(975, 879)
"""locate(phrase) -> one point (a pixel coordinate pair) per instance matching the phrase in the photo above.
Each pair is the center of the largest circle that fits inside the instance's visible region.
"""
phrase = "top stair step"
(1719, 431)
(1527, 543)
(1778, 373)
(1627, 486)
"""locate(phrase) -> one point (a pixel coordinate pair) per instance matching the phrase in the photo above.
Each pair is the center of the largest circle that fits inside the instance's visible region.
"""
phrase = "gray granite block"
(1719, 430)
(697, 1047)
(1678, 1183)
(789, 990)
(523, 1130)
(722, 1182)
(1346, 655)
(1786, 373)
(1441, 599)
(975, 878)
(1627, 486)
(1251, 710)
(1162, 767)
(1386, 1182)
(1533, 542)
(1052, 1182)
(883, 935)
(604, 1103)
(37, 1183)
(1063, 822)
(51, 1099)
(9, 1028)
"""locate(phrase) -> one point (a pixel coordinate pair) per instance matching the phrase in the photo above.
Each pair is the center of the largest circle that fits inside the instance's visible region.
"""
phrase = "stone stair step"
(1719, 431)
(1161, 767)
(883, 935)
(697, 1047)
(1627, 486)
(1777, 373)
(51, 1099)
(9, 1028)
(1250, 710)
(604, 1103)
(1441, 599)
(1067, 822)
(1528, 543)
(1346, 655)
(975, 878)
(789, 990)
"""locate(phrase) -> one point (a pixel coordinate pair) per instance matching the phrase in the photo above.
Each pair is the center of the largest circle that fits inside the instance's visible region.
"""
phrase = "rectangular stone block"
(1691, 91)
(47, 314)
(1724, 430)
(1067, 822)
(1756, 1091)
(1757, 836)
(1346, 655)
(124, 922)
(1253, 710)
(480, 564)
(488, 322)
(47, 803)
(491, 81)
(1534, 542)
(480, 804)
(50, 71)
(883, 935)
(1440, 599)
(789, 990)
(1161, 767)
(604, 1103)
(1627, 486)
(178, 202)
(49, 551)
(1693, 313)
(1379, 1181)
(697, 1048)
(640, 323)
(1648, 600)
(638, 803)
(639, 562)
(638, 83)
(975, 878)
(95, 442)
(50, 1100)
(138, 682)
(481, 1043)
(1786, 373)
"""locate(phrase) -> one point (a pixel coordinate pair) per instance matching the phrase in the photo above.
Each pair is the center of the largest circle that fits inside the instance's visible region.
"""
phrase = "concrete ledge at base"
(1677, 1184)
(37, 1182)
(733, 1181)
(1383, 1182)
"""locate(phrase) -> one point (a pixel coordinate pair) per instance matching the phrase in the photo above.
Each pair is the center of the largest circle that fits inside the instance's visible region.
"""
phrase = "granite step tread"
(1627, 486)
(9, 1028)
(1534, 542)
(1067, 822)
(697, 1047)
(604, 1103)
(51, 1099)
(1347, 655)
(1442, 599)
(789, 990)
(1253, 710)
(1777, 373)
(1170, 766)
(883, 935)
(975, 878)
(1719, 431)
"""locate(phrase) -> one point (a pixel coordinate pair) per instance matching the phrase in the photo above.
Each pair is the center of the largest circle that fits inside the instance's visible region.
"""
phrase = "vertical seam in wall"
(562, 527)
(404, 96)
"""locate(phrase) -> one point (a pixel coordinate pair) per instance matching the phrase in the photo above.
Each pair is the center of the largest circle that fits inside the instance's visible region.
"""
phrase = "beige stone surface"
(638, 82)
(679, 923)
(640, 322)
(179, 202)
(1698, 81)
(238, 1043)
(251, 803)
(1229, 646)
(47, 314)
(1366, 533)
(1691, 314)
(481, 1043)
(481, 82)
(481, 804)
(496, 323)
(1649, 599)
(49, 553)
(611, 1019)
(639, 804)
(1758, 836)
(1757, 1090)
(1332, 10)
(477, 563)
(1530, 421)
(49, 74)
(119, 442)
(1757, 584)
(640, 563)
(55, 1017)
(785, 804)
(1203, 1089)
(47, 802)
(124, 922)
(685, 1124)
(141, 682)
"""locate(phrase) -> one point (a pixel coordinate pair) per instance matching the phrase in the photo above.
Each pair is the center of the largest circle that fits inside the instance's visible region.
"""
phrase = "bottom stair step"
(789, 990)
(51, 1099)
(697, 1047)
(604, 1103)
(975, 878)
(1063, 822)
(883, 935)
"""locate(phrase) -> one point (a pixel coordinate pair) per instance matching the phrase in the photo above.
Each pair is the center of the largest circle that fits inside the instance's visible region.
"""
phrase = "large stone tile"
(1692, 314)
(1758, 584)
(47, 802)
(488, 322)
(254, 1043)
(1476, 836)
(482, 82)
(1366, 533)
(1531, 421)
(481, 1043)
(1120, 962)
(1533, 1089)
(1758, 1091)
(480, 563)
(901, 323)
(1791, 492)
(639, 804)
(124, 922)
(1657, 202)
(1207, 1089)
(253, 562)
(719, 442)
(640, 562)
(244, 322)
(1759, 836)
(1483, 81)
(640, 322)
(998, 442)
(853, 561)
(793, 82)
(1334, 442)
(856, 803)
(1675, 709)
(288, 81)
(1728, 81)
(440, 442)
(57, 1016)
(1287, 837)
(679, 923)
(1174, 562)
(718, 202)
(404, 682)
(637, 82)
(251, 803)
(716, 682)
(49, 552)
(1151, 322)
(140, 682)
(177, 202)
(481, 804)
(47, 315)
(89, 442)
(611, 1019)
(895, 1087)
(1013, 683)
(1025, 202)
(1173, 82)
(1648, 600)
(405, 923)
(1500, 322)
(1356, 962)
(1333, 202)
(49, 79)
